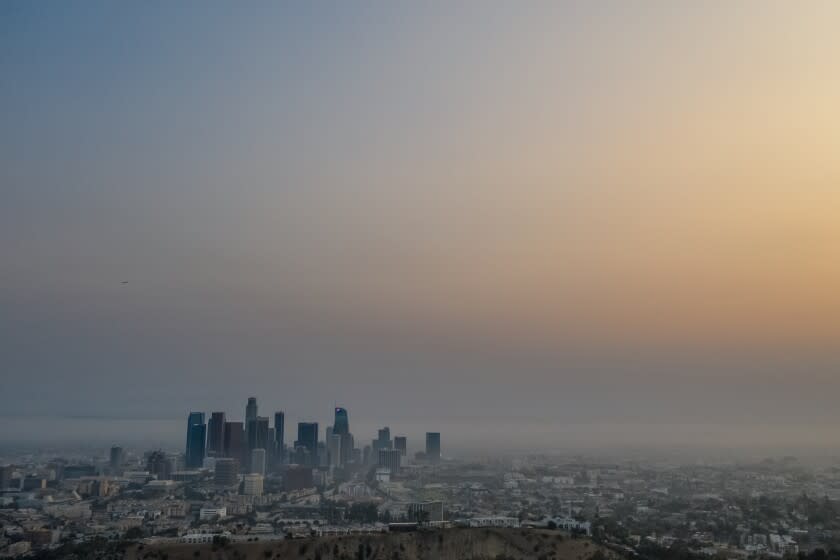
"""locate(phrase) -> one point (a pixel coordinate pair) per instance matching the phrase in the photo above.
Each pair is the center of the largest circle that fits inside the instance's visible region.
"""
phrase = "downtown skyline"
(260, 448)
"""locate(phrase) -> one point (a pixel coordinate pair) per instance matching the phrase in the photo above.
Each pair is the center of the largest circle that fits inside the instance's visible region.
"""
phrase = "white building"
(383, 475)
(425, 512)
(208, 513)
(253, 485)
(202, 538)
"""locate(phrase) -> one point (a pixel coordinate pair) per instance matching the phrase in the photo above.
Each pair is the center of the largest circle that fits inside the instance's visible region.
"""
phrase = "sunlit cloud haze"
(540, 220)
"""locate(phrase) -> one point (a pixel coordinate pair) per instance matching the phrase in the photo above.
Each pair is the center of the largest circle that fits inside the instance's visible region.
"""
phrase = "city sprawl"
(242, 482)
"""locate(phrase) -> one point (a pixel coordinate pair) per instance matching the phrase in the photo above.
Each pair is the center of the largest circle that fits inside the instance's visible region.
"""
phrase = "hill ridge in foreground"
(450, 544)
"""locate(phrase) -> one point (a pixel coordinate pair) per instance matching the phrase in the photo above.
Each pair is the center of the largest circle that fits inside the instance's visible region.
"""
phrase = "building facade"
(226, 472)
(390, 459)
(258, 460)
(234, 441)
(280, 435)
(216, 434)
(308, 440)
(196, 440)
(252, 485)
(433, 447)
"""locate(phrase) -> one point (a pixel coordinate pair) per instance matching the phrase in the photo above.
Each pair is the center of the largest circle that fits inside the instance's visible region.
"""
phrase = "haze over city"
(564, 225)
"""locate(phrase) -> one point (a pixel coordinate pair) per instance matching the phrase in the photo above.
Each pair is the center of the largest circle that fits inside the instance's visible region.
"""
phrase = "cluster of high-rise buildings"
(256, 446)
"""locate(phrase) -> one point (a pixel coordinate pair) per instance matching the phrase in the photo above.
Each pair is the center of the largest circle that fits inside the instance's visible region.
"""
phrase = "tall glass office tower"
(234, 441)
(258, 433)
(308, 439)
(280, 434)
(342, 422)
(341, 427)
(251, 410)
(196, 440)
(433, 447)
(216, 434)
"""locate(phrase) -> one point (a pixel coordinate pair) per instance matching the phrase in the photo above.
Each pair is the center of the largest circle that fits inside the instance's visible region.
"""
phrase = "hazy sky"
(472, 213)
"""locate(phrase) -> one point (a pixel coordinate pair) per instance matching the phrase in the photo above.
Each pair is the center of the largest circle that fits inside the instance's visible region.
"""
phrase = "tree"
(221, 540)
(134, 533)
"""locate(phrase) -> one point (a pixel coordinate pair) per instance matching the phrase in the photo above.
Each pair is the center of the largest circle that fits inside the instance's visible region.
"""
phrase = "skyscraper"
(234, 443)
(334, 449)
(401, 444)
(383, 441)
(390, 459)
(5, 476)
(348, 448)
(433, 447)
(216, 434)
(342, 422)
(257, 461)
(323, 459)
(192, 419)
(117, 458)
(341, 427)
(280, 435)
(270, 450)
(308, 439)
(196, 440)
(258, 433)
(251, 410)
(250, 413)
(159, 465)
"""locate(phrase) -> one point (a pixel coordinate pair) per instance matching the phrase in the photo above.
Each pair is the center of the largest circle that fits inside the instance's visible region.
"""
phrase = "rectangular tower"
(433, 447)
(196, 440)
(234, 445)
(216, 434)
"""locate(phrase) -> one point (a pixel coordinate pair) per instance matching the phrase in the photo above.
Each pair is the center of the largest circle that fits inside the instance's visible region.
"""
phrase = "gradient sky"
(472, 213)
